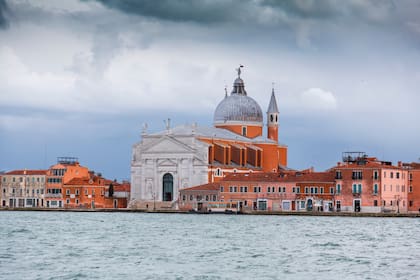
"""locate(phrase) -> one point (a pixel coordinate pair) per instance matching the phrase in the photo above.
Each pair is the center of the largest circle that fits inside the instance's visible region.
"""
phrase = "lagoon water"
(68, 245)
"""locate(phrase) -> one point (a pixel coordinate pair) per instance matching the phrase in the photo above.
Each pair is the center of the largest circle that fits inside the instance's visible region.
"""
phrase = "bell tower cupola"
(273, 118)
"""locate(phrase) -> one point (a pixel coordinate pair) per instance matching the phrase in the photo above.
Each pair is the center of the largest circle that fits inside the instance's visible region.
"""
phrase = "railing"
(53, 195)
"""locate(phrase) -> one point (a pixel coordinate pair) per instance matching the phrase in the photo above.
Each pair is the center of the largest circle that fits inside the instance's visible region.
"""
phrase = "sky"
(80, 78)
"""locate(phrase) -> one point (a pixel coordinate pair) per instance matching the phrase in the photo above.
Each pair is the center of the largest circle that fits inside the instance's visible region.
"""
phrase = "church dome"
(238, 107)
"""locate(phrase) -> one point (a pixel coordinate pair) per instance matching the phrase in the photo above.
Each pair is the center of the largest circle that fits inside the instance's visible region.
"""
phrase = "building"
(284, 191)
(66, 169)
(166, 162)
(413, 186)
(365, 184)
(23, 188)
(95, 192)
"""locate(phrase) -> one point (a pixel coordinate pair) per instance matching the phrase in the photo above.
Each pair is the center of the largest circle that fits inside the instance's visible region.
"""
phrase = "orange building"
(95, 192)
(284, 191)
(413, 186)
(65, 170)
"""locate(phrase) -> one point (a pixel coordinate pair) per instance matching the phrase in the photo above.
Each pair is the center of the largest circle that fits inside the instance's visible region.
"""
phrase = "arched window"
(168, 187)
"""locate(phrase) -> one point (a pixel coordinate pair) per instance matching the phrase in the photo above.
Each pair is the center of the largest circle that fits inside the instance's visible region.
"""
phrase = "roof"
(27, 172)
(85, 181)
(205, 187)
(276, 177)
(368, 164)
(272, 106)
(211, 133)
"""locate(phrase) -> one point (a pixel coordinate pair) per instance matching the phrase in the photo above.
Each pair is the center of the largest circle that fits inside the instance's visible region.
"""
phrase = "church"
(166, 162)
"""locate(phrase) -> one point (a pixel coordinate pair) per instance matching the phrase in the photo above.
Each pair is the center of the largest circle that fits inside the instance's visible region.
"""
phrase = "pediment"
(167, 145)
(166, 162)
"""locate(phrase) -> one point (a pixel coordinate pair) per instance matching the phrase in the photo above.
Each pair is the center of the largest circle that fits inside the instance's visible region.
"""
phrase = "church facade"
(166, 162)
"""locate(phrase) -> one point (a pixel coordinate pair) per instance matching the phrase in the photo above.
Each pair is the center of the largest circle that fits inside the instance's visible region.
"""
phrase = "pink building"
(365, 184)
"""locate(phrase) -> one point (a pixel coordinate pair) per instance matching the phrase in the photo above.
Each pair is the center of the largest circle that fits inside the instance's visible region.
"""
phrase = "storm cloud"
(3, 14)
(81, 77)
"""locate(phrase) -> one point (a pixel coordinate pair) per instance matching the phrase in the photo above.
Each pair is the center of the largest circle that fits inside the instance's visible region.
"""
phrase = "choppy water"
(63, 245)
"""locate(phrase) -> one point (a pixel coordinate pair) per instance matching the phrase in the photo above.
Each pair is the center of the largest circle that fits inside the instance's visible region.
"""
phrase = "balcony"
(53, 195)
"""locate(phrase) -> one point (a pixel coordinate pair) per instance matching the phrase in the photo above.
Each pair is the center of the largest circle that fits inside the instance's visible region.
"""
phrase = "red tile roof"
(27, 172)
(275, 177)
(205, 187)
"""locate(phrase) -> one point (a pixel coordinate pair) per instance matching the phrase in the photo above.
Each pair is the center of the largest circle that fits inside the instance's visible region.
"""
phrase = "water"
(64, 245)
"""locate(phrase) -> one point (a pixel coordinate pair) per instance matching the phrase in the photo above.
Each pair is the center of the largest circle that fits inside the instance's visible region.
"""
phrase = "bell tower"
(273, 119)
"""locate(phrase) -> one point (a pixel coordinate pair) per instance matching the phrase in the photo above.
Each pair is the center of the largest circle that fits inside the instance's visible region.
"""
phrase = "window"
(410, 203)
(331, 190)
(245, 189)
(14, 179)
(321, 190)
(86, 192)
(410, 189)
(354, 189)
(398, 188)
(384, 174)
(397, 175)
(338, 174)
(77, 192)
(375, 175)
(384, 203)
(67, 201)
(77, 201)
(312, 190)
(410, 176)
(273, 189)
(214, 197)
(191, 197)
(235, 189)
(184, 197)
(375, 203)
(67, 192)
(293, 190)
(306, 189)
(230, 189)
(357, 175)
(279, 189)
(218, 172)
(403, 188)
(375, 189)
(390, 203)
(359, 188)
(222, 189)
(392, 175)
(268, 189)
(297, 189)
(207, 198)
(338, 188)
(244, 130)
(20, 179)
(284, 189)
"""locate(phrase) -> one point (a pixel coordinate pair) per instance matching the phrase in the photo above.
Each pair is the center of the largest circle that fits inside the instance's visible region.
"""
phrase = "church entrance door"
(168, 187)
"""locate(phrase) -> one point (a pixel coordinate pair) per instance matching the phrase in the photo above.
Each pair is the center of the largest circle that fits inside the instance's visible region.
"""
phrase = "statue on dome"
(239, 70)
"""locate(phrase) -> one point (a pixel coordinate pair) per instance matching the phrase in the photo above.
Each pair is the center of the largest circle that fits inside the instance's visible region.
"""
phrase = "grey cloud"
(4, 10)
(180, 10)
(248, 11)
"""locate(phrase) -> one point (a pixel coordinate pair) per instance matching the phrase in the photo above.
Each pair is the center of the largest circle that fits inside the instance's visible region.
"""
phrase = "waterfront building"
(23, 188)
(365, 184)
(65, 170)
(284, 191)
(413, 186)
(95, 192)
(166, 162)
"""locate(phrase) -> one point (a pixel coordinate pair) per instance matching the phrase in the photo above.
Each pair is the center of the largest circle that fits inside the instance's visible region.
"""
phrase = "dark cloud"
(248, 11)
(180, 10)
(4, 10)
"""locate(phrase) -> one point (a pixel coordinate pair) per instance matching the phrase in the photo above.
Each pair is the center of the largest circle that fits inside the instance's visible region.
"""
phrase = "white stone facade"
(179, 154)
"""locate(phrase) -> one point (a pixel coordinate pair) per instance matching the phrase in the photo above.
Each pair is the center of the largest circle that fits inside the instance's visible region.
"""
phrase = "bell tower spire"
(273, 118)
